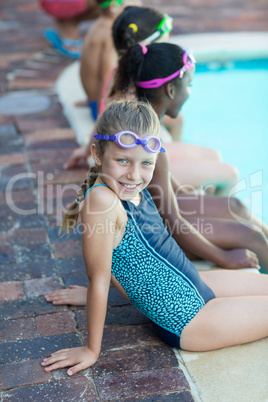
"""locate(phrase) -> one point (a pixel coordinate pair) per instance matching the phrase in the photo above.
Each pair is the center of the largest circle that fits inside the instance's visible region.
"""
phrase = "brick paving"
(34, 188)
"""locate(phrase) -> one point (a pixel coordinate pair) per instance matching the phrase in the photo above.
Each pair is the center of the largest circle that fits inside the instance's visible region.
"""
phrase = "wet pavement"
(35, 141)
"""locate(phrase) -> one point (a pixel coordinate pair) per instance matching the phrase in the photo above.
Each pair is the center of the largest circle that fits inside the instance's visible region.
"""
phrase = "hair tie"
(77, 202)
(133, 27)
(144, 49)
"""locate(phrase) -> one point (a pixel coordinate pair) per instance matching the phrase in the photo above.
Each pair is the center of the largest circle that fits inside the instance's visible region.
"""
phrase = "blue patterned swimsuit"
(155, 273)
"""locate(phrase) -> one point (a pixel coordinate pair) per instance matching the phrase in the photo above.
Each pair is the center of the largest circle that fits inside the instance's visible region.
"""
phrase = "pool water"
(228, 111)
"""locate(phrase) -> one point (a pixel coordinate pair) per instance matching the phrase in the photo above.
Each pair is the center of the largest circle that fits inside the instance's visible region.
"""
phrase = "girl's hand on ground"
(75, 295)
(78, 155)
(78, 358)
(240, 258)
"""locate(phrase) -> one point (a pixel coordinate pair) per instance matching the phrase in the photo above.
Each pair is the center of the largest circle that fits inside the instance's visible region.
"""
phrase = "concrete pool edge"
(223, 46)
(209, 372)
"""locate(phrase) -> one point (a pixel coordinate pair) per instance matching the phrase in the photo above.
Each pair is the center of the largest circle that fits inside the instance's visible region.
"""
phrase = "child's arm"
(187, 236)
(98, 235)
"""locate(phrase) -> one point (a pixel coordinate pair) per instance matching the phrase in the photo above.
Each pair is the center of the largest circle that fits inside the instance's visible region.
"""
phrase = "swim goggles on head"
(165, 26)
(157, 82)
(107, 3)
(128, 140)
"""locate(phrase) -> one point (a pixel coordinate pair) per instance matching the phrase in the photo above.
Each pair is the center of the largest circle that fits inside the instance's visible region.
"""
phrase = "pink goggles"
(128, 140)
(157, 82)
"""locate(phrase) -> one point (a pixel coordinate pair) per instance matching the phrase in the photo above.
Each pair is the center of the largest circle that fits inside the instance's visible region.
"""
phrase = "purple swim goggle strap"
(157, 82)
(144, 142)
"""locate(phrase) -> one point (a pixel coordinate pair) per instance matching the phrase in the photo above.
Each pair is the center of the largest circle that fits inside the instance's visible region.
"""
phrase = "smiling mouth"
(129, 187)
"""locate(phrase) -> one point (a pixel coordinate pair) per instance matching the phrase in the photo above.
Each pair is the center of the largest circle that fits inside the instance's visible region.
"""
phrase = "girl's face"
(127, 171)
(181, 94)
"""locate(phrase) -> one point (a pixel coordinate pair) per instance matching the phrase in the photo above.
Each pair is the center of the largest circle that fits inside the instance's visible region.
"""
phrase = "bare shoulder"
(100, 29)
(102, 200)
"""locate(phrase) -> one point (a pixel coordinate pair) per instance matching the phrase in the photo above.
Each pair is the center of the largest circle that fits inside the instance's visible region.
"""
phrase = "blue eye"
(146, 163)
(122, 160)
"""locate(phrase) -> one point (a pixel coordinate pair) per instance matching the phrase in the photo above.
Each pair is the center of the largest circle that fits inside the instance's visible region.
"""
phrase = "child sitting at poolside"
(203, 311)
(98, 53)
(198, 166)
(67, 15)
(134, 24)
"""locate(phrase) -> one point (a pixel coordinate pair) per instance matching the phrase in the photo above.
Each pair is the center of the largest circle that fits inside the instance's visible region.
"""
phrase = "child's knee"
(237, 207)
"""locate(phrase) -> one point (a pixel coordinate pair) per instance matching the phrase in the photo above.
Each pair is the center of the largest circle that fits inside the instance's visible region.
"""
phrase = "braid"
(71, 216)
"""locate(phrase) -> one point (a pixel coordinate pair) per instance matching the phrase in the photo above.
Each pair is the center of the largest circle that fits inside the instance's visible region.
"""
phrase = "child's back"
(98, 57)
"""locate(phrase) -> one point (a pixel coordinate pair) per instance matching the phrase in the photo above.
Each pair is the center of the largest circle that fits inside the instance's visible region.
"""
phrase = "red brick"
(49, 156)
(51, 134)
(14, 330)
(150, 357)
(69, 248)
(68, 176)
(23, 373)
(130, 385)
(7, 255)
(11, 290)
(19, 83)
(129, 335)
(54, 324)
(17, 196)
(12, 159)
(42, 286)
(25, 124)
(75, 389)
(26, 236)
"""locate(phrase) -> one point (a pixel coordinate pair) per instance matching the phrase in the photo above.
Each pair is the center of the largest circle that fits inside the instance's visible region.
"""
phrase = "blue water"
(228, 111)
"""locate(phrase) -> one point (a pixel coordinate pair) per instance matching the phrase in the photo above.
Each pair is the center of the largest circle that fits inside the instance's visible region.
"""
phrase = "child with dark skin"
(199, 166)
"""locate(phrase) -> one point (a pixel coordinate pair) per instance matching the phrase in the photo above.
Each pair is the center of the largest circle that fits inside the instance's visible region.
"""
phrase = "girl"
(153, 72)
(203, 312)
(198, 165)
(228, 242)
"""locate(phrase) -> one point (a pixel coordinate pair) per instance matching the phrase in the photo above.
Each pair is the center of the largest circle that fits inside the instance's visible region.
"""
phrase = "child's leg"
(201, 172)
(226, 283)
(239, 314)
(226, 322)
(230, 235)
(217, 207)
(179, 151)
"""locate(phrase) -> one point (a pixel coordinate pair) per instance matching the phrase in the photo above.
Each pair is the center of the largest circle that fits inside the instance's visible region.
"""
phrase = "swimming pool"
(228, 110)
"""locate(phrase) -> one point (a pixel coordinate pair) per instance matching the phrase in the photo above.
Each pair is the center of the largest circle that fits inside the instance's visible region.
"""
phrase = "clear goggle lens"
(128, 139)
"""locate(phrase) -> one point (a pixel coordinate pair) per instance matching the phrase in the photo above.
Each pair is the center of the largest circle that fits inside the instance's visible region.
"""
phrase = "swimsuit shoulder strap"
(96, 185)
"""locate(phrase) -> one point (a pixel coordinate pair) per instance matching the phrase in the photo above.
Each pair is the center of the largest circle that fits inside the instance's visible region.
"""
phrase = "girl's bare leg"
(239, 314)
(226, 283)
(196, 205)
(230, 234)
(198, 172)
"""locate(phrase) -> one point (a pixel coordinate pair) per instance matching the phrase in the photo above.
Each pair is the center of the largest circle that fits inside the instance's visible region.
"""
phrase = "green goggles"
(107, 3)
(165, 26)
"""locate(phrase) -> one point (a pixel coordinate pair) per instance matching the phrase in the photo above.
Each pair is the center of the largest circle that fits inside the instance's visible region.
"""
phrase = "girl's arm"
(97, 241)
(182, 231)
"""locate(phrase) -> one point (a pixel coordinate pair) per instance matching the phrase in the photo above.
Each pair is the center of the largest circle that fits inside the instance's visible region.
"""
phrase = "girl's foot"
(75, 295)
